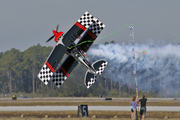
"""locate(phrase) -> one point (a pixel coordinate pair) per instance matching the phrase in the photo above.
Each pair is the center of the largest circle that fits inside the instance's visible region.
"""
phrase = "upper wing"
(57, 53)
(91, 34)
(63, 71)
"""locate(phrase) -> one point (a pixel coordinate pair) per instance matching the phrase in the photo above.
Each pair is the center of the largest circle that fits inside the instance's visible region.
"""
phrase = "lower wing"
(61, 74)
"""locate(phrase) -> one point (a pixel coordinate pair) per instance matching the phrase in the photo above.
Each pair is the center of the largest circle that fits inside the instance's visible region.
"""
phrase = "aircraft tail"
(90, 78)
(99, 66)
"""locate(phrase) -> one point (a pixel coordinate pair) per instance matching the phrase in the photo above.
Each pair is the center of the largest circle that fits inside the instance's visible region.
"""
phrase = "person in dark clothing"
(143, 106)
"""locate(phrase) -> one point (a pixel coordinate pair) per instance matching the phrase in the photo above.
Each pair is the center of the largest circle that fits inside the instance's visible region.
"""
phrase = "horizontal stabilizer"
(89, 79)
(99, 66)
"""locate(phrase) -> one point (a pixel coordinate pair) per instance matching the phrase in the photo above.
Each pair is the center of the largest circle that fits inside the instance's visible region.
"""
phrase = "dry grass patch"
(73, 114)
(32, 118)
(89, 103)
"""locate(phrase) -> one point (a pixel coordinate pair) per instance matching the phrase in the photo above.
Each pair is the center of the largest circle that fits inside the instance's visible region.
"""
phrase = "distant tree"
(112, 41)
(109, 42)
(106, 43)
(8, 62)
(34, 57)
(1, 54)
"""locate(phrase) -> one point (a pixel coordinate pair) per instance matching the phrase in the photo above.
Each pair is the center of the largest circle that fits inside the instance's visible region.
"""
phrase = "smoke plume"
(158, 70)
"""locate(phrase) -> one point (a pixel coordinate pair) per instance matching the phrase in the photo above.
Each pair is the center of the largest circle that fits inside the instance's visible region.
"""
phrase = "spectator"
(134, 104)
(143, 106)
(132, 111)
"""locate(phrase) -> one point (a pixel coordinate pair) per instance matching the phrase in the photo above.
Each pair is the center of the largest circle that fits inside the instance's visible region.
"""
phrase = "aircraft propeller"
(53, 35)
(57, 28)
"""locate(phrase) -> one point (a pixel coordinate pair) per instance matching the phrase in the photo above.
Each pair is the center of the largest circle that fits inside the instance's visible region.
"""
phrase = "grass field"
(14, 118)
(100, 115)
(89, 102)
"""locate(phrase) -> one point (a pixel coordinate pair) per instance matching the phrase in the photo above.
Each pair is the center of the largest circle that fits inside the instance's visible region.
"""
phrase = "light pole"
(133, 56)
(134, 60)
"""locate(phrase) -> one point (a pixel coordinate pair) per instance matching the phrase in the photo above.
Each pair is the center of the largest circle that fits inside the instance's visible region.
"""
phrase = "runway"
(90, 108)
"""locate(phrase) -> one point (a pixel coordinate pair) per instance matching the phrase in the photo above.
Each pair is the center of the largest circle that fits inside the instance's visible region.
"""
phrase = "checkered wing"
(45, 74)
(82, 24)
(51, 63)
(64, 70)
(87, 19)
(94, 29)
(59, 77)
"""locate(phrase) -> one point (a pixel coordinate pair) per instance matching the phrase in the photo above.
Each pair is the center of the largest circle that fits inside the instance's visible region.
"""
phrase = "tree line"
(19, 70)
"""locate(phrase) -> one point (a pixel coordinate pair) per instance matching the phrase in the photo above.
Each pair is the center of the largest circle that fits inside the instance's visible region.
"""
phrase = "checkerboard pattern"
(91, 81)
(58, 78)
(87, 20)
(95, 28)
(45, 74)
(101, 68)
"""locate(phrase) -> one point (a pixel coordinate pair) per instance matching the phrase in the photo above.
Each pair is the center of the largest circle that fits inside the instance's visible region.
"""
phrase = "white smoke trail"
(158, 70)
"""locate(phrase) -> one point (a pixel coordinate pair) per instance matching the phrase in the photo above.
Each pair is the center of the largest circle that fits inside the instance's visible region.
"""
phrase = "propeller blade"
(50, 38)
(57, 28)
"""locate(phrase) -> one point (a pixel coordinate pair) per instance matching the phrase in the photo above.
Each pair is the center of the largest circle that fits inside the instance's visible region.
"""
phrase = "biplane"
(90, 27)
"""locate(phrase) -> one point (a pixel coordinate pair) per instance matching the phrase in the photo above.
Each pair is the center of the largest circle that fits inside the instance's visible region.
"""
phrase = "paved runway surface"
(90, 108)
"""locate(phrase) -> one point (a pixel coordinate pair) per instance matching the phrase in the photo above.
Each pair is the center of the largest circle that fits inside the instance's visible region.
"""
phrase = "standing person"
(132, 111)
(143, 106)
(134, 104)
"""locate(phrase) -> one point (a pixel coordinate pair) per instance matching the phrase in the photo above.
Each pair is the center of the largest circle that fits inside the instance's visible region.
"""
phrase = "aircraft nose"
(54, 32)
